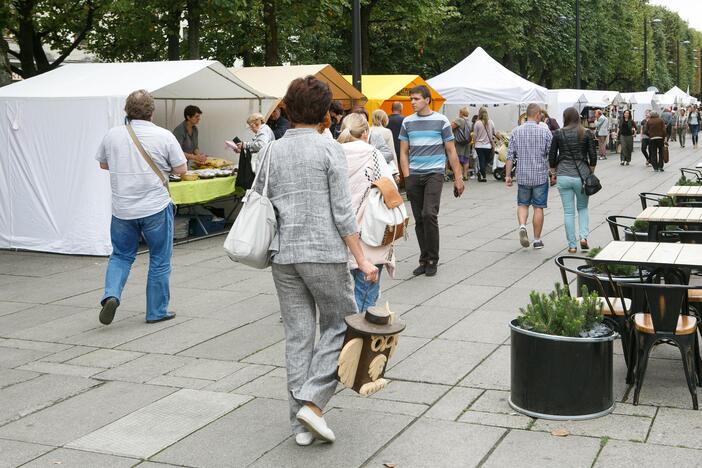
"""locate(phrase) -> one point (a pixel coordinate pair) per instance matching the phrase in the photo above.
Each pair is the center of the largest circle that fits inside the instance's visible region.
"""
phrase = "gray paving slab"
(614, 426)
(105, 358)
(410, 291)
(483, 326)
(431, 321)
(48, 348)
(241, 437)
(357, 402)
(511, 421)
(452, 405)
(241, 377)
(492, 373)
(425, 444)
(267, 386)
(533, 449)
(247, 310)
(14, 357)
(618, 453)
(144, 368)
(81, 321)
(180, 382)
(665, 385)
(13, 453)
(12, 307)
(119, 332)
(10, 324)
(237, 344)
(78, 459)
(154, 427)
(441, 361)
(45, 290)
(273, 355)
(33, 395)
(107, 403)
(180, 337)
(410, 392)
(13, 376)
(465, 295)
(677, 427)
(208, 369)
(409, 346)
(59, 368)
(359, 434)
(68, 354)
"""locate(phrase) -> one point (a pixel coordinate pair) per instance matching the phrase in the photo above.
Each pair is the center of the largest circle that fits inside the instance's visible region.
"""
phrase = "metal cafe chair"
(616, 309)
(615, 225)
(667, 319)
(653, 198)
(691, 174)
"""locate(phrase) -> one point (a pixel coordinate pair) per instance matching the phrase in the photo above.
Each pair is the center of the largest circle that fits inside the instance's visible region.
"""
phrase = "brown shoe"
(583, 245)
(572, 250)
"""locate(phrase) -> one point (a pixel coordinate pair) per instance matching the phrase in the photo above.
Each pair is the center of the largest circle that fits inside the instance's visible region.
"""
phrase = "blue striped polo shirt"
(426, 136)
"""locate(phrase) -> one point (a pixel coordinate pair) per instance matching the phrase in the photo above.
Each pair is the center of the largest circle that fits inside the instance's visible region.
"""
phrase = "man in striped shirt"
(425, 140)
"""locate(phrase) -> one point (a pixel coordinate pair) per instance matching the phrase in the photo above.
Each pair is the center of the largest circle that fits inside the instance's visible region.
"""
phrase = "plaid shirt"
(530, 143)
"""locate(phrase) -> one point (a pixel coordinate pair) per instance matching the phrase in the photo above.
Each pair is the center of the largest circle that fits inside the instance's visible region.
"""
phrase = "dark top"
(627, 127)
(567, 151)
(552, 124)
(395, 125)
(188, 143)
(279, 126)
(655, 128)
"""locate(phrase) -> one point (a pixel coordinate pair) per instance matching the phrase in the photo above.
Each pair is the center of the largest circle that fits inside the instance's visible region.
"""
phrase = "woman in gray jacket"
(309, 189)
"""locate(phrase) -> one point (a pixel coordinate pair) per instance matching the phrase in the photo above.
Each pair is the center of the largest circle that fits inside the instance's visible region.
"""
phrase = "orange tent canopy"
(383, 90)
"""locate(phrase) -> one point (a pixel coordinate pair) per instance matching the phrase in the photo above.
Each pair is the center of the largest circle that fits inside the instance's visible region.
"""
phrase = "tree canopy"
(535, 38)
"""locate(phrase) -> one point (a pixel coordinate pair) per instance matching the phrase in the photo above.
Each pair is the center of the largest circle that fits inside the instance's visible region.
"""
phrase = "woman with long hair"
(627, 130)
(484, 136)
(365, 165)
(693, 122)
(681, 126)
(461, 132)
(572, 158)
(308, 186)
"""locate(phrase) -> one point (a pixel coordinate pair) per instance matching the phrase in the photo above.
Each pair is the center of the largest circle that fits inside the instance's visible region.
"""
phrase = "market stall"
(561, 99)
(479, 80)
(383, 90)
(274, 81)
(640, 102)
(53, 195)
(676, 97)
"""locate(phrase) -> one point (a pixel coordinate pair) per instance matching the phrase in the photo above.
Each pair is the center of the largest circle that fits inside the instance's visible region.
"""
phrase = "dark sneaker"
(430, 269)
(538, 244)
(109, 307)
(523, 237)
(420, 270)
(168, 316)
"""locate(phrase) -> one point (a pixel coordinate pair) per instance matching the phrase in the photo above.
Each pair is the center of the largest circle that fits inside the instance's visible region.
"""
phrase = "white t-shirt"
(137, 191)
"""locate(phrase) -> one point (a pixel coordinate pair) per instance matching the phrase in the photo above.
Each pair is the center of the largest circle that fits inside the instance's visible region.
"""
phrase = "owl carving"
(371, 340)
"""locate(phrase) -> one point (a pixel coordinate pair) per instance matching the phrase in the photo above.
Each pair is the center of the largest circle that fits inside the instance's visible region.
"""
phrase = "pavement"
(208, 389)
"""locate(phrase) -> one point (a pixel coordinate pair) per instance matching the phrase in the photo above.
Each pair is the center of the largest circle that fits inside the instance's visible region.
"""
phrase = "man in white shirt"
(141, 205)
(602, 130)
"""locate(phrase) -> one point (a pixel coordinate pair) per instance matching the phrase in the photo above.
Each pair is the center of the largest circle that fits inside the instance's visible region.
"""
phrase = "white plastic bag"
(382, 225)
(250, 239)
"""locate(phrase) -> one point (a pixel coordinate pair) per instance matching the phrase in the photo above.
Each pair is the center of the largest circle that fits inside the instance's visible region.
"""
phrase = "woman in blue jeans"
(573, 157)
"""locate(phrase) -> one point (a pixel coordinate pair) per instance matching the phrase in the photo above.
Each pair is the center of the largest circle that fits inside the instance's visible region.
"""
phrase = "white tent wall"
(505, 117)
(5, 200)
(561, 99)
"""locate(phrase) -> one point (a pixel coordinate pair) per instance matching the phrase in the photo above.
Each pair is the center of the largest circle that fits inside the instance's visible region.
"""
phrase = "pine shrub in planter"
(638, 232)
(561, 366)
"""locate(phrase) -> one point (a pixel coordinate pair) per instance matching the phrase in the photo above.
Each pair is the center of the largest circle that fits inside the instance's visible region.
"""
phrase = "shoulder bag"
(147, 158)
(251, 238)
(591, 183)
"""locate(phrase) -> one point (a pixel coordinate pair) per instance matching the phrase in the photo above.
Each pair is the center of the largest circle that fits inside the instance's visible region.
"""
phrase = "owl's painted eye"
(378, 343)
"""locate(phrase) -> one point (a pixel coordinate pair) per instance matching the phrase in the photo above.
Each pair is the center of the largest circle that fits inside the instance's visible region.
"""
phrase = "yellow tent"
(383, 90)
(274, 81)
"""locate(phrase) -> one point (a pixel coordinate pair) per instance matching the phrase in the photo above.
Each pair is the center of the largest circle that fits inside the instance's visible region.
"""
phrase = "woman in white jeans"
(572, 157)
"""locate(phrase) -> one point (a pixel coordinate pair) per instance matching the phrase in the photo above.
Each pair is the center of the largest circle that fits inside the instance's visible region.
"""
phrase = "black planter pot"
(609, 291)
(558, 377)
(635, 236)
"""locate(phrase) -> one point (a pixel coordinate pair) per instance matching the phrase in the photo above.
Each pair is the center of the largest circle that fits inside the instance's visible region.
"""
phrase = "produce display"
(213, 163)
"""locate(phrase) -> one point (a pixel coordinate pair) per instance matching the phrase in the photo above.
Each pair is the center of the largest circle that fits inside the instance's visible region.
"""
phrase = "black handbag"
(591, 183)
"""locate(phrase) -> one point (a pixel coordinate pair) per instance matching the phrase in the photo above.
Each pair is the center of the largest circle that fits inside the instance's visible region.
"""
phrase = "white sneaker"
(315, 424)
(523, 237)
(304, 438)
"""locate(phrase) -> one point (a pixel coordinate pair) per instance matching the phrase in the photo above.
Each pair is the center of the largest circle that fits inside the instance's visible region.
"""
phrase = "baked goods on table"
(213, 163)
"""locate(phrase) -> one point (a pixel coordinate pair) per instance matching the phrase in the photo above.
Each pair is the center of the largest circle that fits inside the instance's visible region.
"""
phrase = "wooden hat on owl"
(371, 339)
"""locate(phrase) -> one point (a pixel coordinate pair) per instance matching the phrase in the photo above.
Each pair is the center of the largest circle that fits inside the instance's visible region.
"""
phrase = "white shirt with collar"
(137, 191)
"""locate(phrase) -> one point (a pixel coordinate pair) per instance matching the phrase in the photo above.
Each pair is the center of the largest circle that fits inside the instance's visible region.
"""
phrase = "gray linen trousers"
(308, 186)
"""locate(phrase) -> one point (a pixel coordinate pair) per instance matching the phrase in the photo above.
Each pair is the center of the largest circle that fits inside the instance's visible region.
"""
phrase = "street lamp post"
(654, 21)
(677, 56)
(356, 44)
(577, 44)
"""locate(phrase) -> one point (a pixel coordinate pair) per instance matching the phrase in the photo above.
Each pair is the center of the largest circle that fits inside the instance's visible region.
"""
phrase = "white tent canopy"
(598, 98)
(676, 96)
(561, 99)
(481, 80)
(640, 102)
(53, 196)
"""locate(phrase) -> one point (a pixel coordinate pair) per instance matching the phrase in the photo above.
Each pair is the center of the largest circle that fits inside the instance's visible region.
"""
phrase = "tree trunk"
(173, 33)
(25, 38)
(366, 10)
(5, 72)
(194, 12)
(271, 26)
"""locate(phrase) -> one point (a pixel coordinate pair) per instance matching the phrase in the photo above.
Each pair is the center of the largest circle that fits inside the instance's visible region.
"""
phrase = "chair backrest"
(652, 197)
(665, 303)
(694, 174)
(614, 225)
(591, 278)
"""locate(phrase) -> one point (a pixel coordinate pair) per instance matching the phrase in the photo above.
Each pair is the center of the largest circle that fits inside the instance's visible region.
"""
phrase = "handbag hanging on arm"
(591, 183)
(147, 158)
(251, 239)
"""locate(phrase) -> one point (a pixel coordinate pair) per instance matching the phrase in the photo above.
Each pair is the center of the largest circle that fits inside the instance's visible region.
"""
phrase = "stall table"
(188, 193)
(660, 216)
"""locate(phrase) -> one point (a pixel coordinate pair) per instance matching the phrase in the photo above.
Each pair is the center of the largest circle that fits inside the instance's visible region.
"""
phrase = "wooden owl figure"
(371, 339)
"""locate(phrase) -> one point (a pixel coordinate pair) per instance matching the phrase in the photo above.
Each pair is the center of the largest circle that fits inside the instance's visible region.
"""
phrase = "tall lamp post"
(677, 56)
(577, 44)
(645, 51)
(356, 44)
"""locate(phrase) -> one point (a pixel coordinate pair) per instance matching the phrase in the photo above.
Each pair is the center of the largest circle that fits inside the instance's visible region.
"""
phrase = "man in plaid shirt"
(530, 143)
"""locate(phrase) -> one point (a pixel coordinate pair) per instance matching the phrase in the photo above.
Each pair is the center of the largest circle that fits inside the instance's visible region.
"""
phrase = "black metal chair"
(667, 320)
(653, 198)
(615, 225)
(616, 309)
(691, 174)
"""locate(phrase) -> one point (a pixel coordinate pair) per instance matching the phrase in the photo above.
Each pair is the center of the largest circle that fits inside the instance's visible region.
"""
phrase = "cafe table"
(651, 254)
(693, 192)
(658, 217)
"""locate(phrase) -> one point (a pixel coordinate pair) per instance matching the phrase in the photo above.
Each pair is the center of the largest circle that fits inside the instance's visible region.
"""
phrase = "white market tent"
(481, 80)
(676, 96)
(598, 98)
(561, 99)
(640, 102)
(53, 195)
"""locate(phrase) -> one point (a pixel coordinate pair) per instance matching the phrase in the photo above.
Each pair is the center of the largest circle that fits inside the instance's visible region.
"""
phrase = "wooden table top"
(685, 191)
(665, 214)
(652, 253)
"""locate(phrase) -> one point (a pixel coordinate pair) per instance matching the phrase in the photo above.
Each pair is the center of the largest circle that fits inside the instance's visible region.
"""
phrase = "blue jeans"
(536, 196)
(366, 293)
(125, 233)
(693, 131)
(572, 196)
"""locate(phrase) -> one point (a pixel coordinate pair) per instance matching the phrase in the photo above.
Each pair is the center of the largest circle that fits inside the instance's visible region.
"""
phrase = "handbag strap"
(266, 156)
(147, 158)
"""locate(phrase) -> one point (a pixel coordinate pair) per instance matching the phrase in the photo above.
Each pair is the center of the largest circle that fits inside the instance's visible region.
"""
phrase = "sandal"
(583, 245)
(572, 250)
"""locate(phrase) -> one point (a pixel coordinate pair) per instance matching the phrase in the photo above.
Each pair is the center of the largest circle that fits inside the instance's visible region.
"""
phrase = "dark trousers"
(655, 147)
(484, 158)
(644, 149)
(424, 194)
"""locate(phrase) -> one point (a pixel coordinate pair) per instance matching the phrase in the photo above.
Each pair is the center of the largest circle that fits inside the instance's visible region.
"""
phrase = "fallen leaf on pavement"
(560, 433)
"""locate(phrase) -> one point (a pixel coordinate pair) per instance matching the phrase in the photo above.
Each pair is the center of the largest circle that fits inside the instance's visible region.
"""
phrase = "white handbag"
(250, 239)
(385, 216)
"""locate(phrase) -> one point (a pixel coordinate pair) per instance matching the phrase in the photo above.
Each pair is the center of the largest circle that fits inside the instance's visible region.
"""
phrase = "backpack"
(462, 135)
(385, 217)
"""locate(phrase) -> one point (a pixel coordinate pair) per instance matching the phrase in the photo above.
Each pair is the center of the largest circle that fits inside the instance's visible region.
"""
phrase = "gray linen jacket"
(309, 189)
